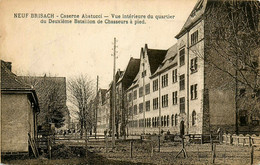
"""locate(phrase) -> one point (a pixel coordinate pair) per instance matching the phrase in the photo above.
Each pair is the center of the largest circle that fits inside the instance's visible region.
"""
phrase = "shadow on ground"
(91, 158)
(65, 155)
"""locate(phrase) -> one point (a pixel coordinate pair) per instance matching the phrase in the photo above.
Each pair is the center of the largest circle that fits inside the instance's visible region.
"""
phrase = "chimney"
(7, 64)
(142, 52)
(146, 46)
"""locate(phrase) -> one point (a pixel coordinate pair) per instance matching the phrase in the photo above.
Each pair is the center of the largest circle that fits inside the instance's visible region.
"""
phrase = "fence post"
(225, 156)
(131, 149)
(151, 148)
(106, 143)
(211, 142)
(252, 155)
(250, 141)
(238, 140)
(49, 146)
(213, 153)
(198, 152)
(219, 138)
(159, 143)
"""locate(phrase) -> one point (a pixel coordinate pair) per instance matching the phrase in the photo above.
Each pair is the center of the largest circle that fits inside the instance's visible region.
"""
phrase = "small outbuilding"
(19, 109)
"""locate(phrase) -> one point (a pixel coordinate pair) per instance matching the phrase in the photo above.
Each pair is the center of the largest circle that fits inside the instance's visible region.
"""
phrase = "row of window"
(193, 68)
(194, 95)
(154, 122)
(193, 61)
(165, 121)
(194, 39)
(164, 82)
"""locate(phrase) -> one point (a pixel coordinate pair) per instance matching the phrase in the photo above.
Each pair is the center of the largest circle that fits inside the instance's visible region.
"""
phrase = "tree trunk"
(81, 129)
(117, 132)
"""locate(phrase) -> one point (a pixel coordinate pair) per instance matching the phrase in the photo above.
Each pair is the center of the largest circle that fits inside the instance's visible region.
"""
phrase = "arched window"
(193, 120)
(155, 122)
(172, 120)
(167, 120)
(152, 122)
(176, 120)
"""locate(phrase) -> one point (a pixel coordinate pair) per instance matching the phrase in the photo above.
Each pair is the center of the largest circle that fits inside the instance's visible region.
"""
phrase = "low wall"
(243, 140)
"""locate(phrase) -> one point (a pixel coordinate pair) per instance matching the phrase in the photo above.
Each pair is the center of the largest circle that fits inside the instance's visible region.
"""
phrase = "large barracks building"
(175, 90)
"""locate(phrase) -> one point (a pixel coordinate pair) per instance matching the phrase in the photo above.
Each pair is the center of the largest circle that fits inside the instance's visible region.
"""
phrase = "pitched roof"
(155, 58)
(135, 82)
(103, 95)
(9, 80)
(13, 84)
(130, 72)
(194, 16)
(119, 74)
(169, 60)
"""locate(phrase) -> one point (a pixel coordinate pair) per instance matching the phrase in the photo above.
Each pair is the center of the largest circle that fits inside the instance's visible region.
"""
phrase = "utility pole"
(188, 85)
(159, 104)
(144, 103)
(236, 97)
(97, 99)
(114, 95)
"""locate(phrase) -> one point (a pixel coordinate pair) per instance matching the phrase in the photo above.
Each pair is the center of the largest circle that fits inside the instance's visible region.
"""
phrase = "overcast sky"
(71, 49)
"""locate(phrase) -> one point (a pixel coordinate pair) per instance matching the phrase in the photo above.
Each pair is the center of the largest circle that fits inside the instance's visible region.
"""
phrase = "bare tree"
(51, 92)
(232, 47)
(81, 94)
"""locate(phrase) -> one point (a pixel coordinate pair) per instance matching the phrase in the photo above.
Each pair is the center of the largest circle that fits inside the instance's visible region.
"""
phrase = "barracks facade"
(172, 90)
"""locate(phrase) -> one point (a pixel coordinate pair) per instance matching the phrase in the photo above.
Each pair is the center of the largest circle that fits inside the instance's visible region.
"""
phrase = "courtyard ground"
(142, 154)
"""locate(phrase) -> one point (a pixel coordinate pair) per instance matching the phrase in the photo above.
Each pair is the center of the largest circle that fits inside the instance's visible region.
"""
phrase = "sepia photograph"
(130, 82)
